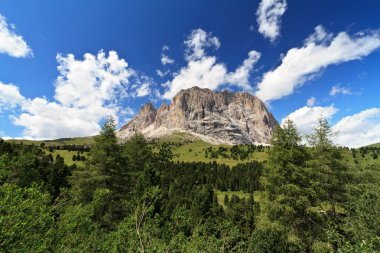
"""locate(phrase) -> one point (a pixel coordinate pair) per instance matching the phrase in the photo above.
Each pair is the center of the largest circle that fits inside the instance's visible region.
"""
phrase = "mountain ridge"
(217, 117)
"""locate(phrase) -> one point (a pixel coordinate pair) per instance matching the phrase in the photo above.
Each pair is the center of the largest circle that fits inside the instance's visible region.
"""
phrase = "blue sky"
(66, 65)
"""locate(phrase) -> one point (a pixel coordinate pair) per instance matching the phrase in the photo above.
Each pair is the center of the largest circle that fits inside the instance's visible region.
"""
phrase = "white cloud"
(196, 43)
(306, 118)
(320, 35)
(127, 111)
(91, 81)
(161, 74)
(143, 90)
(269, 16)
(241, 75)
(86, 92)
(51, 120)
(10, 96)
(354, 131)
(207, 73)
(204, 71)
(337, 89)
(165, 59)
(319, 51)
(359, 129)
(11, 43)
(143, 86)
(311, 101)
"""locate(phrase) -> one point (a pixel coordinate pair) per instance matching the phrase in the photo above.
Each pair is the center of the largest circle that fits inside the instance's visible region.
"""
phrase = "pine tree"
(329, 174)
(288, 186)
(102, 181)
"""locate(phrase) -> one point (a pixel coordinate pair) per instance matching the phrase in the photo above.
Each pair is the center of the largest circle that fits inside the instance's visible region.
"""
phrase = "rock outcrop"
(215, 117)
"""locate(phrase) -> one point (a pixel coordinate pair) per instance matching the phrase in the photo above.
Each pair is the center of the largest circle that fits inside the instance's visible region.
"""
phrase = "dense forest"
(132, 197)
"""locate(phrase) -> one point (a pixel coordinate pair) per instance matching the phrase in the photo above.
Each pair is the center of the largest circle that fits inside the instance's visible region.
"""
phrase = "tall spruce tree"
(329, 177)
(102, 180)
(288, 186)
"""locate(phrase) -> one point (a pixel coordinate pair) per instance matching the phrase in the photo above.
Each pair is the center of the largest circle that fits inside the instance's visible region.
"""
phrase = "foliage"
(26, 222)
(137, 196)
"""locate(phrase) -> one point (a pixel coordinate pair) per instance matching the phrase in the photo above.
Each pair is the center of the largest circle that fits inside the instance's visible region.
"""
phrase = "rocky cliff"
(215, 117)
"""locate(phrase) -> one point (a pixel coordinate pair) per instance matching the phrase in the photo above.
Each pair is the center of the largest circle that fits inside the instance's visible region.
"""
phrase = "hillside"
(63, 141)
(375, 145)
(188, 148)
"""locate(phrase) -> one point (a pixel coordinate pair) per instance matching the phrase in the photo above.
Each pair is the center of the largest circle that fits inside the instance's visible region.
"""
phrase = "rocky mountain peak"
(217, 117)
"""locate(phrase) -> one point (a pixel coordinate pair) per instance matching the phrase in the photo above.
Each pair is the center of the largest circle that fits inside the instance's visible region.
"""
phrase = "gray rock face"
(221, 117)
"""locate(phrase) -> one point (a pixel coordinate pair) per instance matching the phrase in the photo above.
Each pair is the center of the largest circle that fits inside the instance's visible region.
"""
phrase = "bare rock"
(217, 117)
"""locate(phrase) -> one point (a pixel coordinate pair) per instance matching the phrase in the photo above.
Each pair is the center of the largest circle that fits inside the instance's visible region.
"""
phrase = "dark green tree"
(105, 175)
(26, 221)
(329, 176)
(288, 185)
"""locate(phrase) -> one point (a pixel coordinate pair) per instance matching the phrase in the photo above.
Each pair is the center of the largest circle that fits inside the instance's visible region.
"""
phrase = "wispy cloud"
(269, 16)
(165, 59)
(337, 89)
(320, 50)
(311, 101)
(359, 129)
(161, 73)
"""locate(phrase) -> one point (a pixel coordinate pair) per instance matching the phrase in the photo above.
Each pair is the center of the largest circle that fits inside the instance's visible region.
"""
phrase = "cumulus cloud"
(10, 96)
(86, 92)
(269, 16)
(359, 129)
(11, 43)
(241, 75)
(306, 118)
(205, 71)
(337, 89)
(197, 42)
(50, 120)
(165, 59)
(143, 90)
(143, 86)
(353, 131)
(320, 50)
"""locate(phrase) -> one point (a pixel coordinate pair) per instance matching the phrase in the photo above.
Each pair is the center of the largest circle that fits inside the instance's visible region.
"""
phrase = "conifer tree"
(287, 182)
(103, 178)
(329, 174)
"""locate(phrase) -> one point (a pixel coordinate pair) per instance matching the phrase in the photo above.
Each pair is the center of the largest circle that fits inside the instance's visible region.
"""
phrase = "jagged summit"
(215, 117)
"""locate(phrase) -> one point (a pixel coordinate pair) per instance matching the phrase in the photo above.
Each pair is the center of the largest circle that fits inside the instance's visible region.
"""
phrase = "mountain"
(215, 117)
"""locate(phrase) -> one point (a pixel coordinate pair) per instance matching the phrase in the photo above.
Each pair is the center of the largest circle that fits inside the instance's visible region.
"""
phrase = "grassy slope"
(67, 156)
(220, 195)
(194, 152)
(188, 148)
(377, 145)
(67, 141)
(362, 161)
